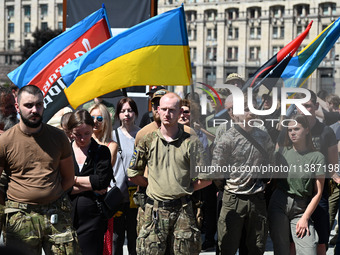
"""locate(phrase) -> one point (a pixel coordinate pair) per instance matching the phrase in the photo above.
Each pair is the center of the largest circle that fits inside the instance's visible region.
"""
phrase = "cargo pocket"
(187, 241)
(150, 241)
(229, 201)
(20, 226)
(65, 243)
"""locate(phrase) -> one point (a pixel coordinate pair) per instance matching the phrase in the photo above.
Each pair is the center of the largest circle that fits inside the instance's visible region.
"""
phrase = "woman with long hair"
(298, 192)
(102, 133)
(93, 174)
(102, 130)
(126, 113)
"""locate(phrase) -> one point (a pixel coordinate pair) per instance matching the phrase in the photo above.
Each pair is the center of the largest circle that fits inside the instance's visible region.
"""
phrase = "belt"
(24, 206)
(170, 203)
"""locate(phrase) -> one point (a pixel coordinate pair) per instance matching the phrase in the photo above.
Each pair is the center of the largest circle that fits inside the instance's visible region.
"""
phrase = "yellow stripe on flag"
(152, 65)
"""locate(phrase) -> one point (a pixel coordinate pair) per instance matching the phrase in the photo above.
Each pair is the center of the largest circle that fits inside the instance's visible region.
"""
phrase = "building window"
(211, 15)
(301, 10)
(254, 53)
(60, 25)
(10, 44)
(43, 10)
(10, 28)
(232, 53)
(44, 26)
(252, 33)
(254, 12)
(278, 32)
(232, 33)
(27, 27)
(190, 16)
(282, 32)
(193, 53)
(211, 54)
(328, 9)
(10, 11)
(27, 11)
(232, 14)
(211, 34)
(27, 42)
(192, 34)
(277, 11)
(333, 9)
(255, 32)
(258, 35)
(236, 32)
(60, 9)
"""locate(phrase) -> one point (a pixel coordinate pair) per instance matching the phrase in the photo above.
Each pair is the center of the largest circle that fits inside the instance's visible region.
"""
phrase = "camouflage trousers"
(170, 230)
(140, 219)
(37, 227)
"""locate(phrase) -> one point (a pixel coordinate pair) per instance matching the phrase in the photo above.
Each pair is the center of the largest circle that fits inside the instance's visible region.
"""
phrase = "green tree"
(41, 37)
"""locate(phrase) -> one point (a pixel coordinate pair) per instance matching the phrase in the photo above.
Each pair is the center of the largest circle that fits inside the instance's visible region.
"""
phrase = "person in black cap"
(147, 117)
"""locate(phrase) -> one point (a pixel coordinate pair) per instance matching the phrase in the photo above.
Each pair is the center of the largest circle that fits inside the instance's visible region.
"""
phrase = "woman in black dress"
(93, 173)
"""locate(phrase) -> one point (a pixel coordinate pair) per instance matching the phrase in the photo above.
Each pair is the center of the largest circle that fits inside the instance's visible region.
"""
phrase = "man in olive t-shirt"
(167, 153)
(38, 161)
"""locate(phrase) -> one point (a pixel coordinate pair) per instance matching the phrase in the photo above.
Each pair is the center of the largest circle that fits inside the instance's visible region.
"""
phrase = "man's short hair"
(333, 99)
(312, 96)
(174, 95)
(30, 89)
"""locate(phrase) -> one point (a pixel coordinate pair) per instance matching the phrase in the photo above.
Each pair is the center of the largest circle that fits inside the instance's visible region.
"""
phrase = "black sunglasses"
(99, 118)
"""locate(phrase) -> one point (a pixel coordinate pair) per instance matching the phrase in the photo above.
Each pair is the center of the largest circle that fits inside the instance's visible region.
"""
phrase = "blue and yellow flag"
(154, 52)
(302, 66)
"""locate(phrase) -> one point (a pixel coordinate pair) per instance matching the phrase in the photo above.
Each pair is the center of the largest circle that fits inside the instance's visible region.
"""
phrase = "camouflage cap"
(234, 77)
(159, 94)
(153, 89)
(223, 92)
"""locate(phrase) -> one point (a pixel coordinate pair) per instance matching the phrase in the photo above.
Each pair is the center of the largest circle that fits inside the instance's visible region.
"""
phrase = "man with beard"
(38, 161)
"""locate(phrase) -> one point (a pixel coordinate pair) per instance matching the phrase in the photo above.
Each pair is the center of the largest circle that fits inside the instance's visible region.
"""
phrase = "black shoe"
(208, 245)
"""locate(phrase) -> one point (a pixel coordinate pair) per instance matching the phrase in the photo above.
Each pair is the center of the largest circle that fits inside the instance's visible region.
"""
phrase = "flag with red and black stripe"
(270, 72)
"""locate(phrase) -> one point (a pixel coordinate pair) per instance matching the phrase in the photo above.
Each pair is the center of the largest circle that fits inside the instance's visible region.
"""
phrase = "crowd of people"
(53, 179)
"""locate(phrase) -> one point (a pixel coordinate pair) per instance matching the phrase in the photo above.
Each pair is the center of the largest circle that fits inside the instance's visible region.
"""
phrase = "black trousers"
(126, 222)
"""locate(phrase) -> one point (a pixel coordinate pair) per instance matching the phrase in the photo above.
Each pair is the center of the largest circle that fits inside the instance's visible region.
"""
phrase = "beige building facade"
(227, 36)
(19, 19)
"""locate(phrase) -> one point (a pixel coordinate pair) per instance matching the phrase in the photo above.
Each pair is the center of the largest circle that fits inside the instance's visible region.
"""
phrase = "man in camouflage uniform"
(38, 161)
(169, 223)
(140, 195)
(244, 206)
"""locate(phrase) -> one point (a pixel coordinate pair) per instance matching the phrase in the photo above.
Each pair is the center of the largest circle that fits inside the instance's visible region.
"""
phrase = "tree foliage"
(41, 37)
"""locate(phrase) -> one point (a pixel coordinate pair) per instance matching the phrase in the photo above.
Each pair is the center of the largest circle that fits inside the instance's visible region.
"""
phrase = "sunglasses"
(99, 118)
(186, 112)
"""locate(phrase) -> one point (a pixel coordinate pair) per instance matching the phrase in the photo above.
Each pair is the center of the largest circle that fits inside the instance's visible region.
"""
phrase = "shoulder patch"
(133, 159)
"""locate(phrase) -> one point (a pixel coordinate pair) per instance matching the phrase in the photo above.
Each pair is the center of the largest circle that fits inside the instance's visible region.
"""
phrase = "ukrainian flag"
(154, 52)
(302, 66)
